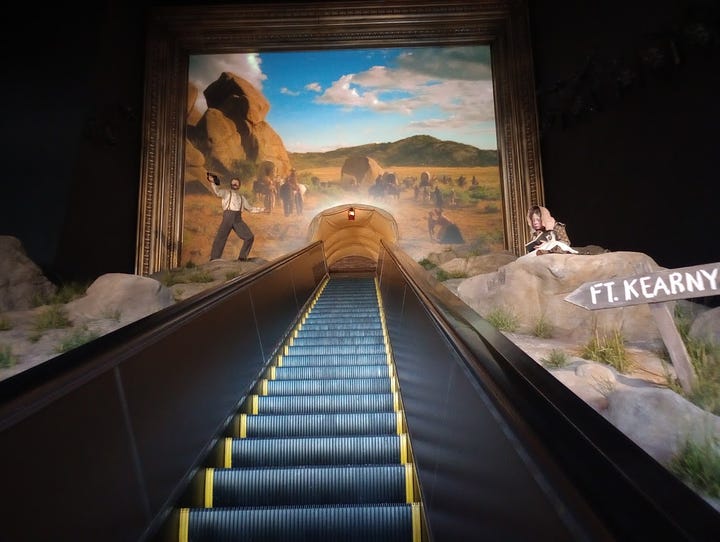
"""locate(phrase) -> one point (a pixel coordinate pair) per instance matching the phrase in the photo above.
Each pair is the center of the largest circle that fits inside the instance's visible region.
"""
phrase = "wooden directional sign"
(681, 283)
(656, 288)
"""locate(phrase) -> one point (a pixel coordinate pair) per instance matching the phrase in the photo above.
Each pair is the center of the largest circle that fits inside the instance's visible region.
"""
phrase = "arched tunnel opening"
(351, 234)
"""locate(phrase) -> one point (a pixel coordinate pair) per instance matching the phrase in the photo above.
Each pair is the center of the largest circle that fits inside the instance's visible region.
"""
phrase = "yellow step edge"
(184, 525)
(398, 423)
(209, 475)
(416, 522)
(227, 459)
(242, 426)
(254, 404)
(396, 401)
(403, 449)
(409, 498)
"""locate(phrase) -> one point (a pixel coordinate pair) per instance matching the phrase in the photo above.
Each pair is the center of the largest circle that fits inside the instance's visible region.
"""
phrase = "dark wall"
(628, 95)
(72, 95)
(630, 170)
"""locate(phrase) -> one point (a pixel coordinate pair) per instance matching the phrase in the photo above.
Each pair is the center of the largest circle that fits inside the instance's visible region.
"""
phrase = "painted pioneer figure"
(233, 204)
(442, 229)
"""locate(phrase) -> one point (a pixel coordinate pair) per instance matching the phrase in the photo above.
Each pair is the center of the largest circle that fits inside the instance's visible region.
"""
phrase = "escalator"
(320, 450)
(297, 404)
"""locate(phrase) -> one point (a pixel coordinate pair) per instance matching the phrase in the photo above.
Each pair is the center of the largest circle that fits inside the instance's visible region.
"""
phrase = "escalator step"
(347, 339)
(327, 386)
(332, 372)
(311, 360)
(297, 425)
(325, 484)
(320, 334)
(347, 325)
(364, 303)
(284, 452)
(338, 349)
(316, 404)
(323, 317)
(376, 523)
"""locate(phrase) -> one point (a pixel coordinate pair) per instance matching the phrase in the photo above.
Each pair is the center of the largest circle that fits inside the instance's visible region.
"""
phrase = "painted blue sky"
(324, 100)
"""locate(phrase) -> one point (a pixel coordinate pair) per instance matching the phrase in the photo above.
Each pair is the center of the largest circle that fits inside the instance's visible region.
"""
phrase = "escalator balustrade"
(320, 450)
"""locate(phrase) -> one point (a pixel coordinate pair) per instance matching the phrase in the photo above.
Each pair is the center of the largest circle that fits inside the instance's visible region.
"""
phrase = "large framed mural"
(404, 107)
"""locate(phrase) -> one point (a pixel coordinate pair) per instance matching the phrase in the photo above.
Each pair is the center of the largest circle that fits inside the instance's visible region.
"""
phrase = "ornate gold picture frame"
(174, 33)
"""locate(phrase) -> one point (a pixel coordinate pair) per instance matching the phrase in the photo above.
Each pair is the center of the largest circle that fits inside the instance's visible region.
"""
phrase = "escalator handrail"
(43, 383)
(592, 452)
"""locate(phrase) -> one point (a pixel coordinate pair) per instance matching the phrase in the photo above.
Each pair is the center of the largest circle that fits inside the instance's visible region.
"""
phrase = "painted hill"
(412, 151)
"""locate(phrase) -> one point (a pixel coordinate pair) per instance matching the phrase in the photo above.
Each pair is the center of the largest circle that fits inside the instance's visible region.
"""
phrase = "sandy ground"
(277, 234)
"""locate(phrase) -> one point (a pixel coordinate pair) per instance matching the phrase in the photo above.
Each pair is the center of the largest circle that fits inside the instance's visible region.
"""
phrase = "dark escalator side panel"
(479, 482)
(113, 430)
(320, 450)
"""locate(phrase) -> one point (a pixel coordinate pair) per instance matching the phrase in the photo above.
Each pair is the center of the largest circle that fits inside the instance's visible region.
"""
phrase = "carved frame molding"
(175, 33)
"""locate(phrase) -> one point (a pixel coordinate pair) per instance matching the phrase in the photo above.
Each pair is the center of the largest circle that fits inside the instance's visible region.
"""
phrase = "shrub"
(427, 264)
(68, 292)
(503, 319)
(608, 349)
(76, 338)
(172, 277)
(555, 360)
(705, 358)
(443, 275)
(7, 359)
(200, 276)
(51, 318)
(179, 276)
(698, 465)
(543, 329)
(605, 386)
(5, 324)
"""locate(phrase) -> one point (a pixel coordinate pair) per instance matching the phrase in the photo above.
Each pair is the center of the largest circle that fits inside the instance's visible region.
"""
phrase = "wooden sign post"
(656, 289)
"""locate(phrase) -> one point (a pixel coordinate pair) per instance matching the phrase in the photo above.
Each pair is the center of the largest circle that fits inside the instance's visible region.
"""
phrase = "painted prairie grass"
(478, 212)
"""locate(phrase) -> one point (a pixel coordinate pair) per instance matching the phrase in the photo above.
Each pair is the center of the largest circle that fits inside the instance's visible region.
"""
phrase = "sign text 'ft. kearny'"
(683, 283)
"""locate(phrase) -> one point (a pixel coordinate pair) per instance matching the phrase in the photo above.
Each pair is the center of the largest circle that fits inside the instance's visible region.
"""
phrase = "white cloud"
(403, 90)
(288, 92)
(314, 87)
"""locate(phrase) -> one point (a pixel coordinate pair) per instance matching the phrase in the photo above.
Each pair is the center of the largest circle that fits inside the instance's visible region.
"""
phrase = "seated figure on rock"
(548, 236)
